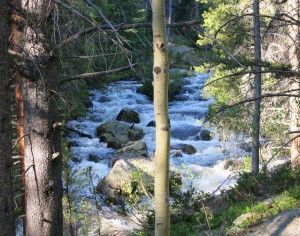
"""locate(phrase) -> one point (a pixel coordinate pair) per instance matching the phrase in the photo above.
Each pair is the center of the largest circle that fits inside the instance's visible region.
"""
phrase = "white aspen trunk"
(162, 151)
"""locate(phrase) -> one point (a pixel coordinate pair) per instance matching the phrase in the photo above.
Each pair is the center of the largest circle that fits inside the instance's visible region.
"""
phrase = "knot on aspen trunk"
(157, 69)
(160, 45)
(165, 128)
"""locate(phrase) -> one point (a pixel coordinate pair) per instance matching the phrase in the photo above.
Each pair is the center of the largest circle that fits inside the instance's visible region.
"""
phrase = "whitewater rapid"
(203, 170)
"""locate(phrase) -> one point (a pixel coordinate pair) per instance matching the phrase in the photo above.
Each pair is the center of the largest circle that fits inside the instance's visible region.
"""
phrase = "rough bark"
(6, 189)
(257, 88)
(294, 55)
(16, 47)
(162, 151)
(43, 161)
(43, 158)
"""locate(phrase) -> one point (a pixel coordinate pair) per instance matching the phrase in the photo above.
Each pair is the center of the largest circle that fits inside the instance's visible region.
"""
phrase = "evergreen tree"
(6, 178)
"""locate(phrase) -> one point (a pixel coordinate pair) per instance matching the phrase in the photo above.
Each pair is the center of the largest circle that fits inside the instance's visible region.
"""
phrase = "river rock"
(95, 158)
(76, 159)
(245, 146)
(284, 224)
(132, 175)
(130, 150)
(151, 123)
(108, 222)
(129, 116)
(205, 135)
(113, 141)
(87, 103)
(233, 164)
(133, 149)
(126, 177)
(175, 153)
(185, 148)
(116, 134)
(250, 216)
(104, 99)
(74, 130)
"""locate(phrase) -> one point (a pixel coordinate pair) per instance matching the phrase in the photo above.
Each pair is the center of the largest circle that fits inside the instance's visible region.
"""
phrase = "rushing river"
(203, 170)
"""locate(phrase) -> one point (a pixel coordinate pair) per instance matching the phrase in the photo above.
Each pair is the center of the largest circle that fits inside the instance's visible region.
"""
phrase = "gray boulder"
(130, 150)
(175, 153)
(284, 224)
(132, 176)
(133, 149)
(129, 116)
(117, 134)
(126, 177)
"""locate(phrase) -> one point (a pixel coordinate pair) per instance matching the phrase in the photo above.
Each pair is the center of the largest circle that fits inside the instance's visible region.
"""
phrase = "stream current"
(203, 170)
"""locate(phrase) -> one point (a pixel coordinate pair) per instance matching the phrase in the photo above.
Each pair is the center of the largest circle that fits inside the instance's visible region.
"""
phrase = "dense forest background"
(52, 52)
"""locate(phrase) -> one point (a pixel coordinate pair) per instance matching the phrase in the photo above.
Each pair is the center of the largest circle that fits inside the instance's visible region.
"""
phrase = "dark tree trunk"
(43, 161)
(43, 158)
(15, 45)
(169, 17)
(257, 88)
(294, 55)
(6, 189)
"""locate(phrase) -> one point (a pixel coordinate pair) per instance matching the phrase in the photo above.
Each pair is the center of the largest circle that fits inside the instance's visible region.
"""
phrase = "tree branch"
(95, 74)
(277, 17)
(251, 100)
(291, 72)
(121, 27)
(71, 9)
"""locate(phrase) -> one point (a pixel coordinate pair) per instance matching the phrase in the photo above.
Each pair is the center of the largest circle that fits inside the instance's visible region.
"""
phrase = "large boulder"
(132, 176)
(285, 223)
(185, 148)
(127, 176)
(117, 134)
(130, 150)
(129, 116)
(133, 149)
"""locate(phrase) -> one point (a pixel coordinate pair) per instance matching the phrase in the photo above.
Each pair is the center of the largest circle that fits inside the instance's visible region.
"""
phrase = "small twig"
(284, 145)
(204, 209)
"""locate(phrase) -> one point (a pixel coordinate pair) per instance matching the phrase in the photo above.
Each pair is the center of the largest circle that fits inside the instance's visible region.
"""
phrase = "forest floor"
(264, 205)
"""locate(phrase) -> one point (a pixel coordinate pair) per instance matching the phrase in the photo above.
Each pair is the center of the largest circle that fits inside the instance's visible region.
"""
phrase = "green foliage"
(259, 210)
(72, 103)
(264, 184)
(183, 228)
(281, 189)
(227, 32)
(78, 208)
